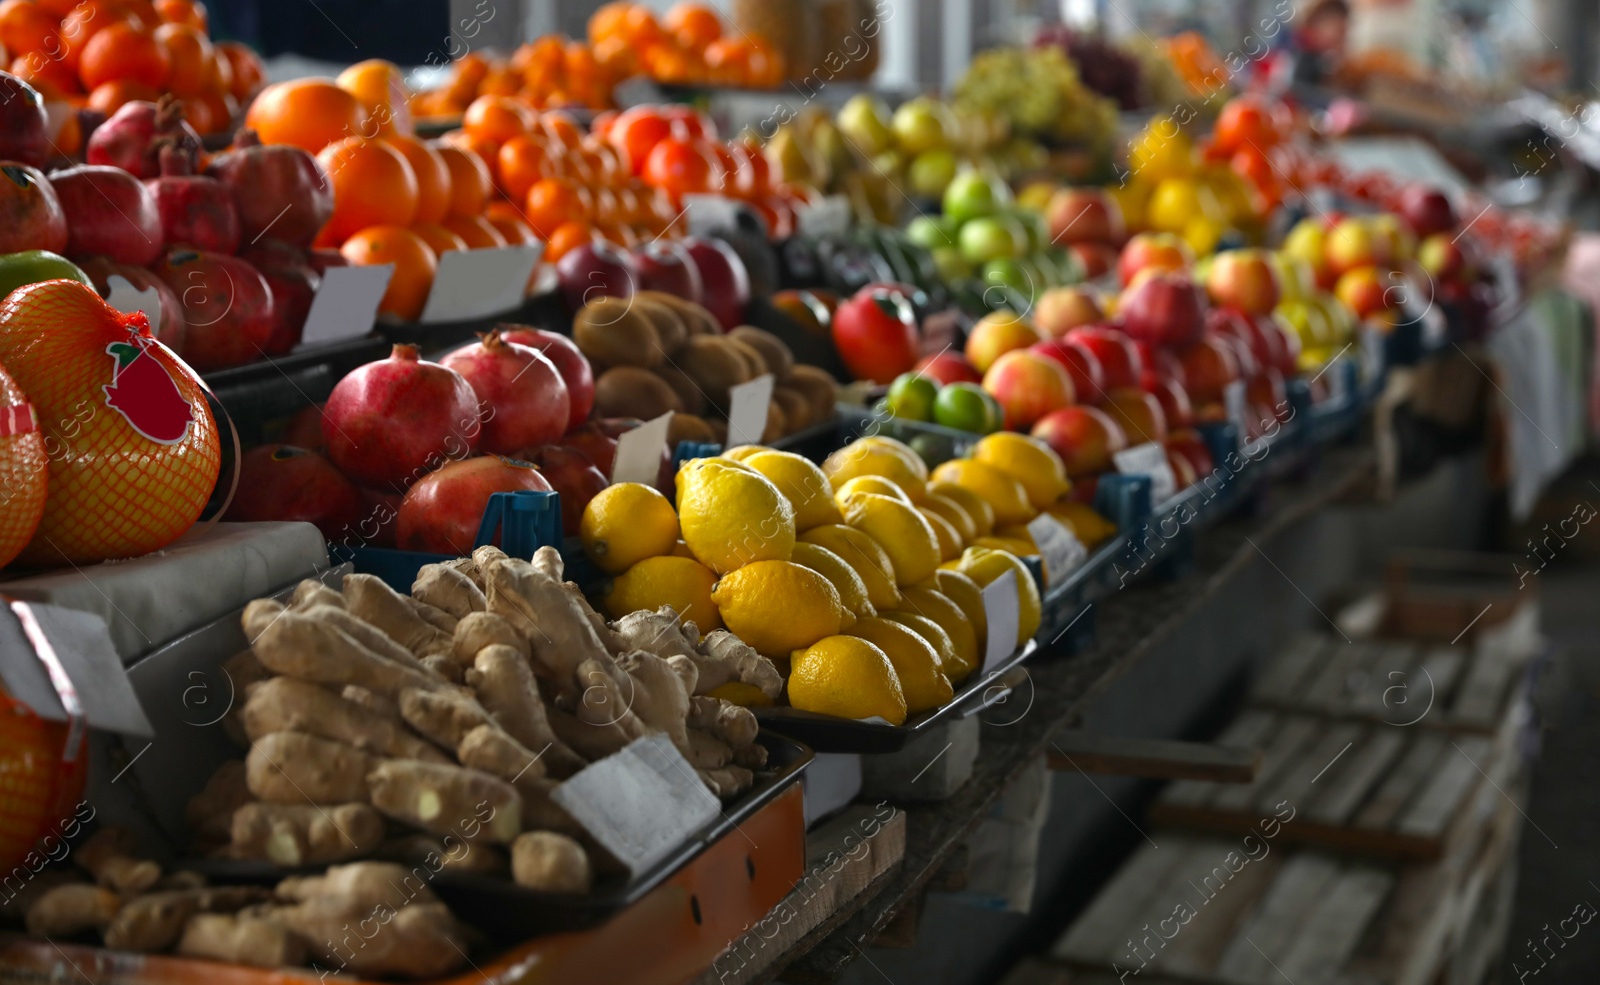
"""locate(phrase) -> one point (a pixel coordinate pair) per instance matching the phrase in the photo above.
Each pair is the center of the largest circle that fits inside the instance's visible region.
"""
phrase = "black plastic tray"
(826, 733)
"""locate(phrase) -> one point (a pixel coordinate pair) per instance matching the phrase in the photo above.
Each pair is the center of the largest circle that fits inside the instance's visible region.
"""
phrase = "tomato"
(876, 335)
(636, 132)
(1245, 120)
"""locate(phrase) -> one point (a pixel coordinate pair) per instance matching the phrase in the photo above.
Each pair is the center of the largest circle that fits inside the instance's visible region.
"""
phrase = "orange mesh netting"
(24, 471)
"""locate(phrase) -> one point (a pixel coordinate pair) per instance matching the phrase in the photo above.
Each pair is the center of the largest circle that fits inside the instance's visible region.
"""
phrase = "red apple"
(724, 281)
(569, 362)
(1159, 364)
(1027, 386)
(572, 475)
(1209, 366)
(1443, 258)
(1242, 356)
(1363, 291)
(1243, 279)
(1192, 446)
(1174, 400)
(593, 270)
(24, 130)
(595, 444)
(664, 265)
(1266, 389)
(1284, 345)
(1162, 251)
(1139, 413)
(1119, 359)
(1061, 309)
(1183, 470)
(1084, 437)
(1163, 309)
(1082, 366)
(1083, 215)
(996, 334)
(1097, 259)
(1426, 210)
(876, 335)
(1246, 329)
(947, 368)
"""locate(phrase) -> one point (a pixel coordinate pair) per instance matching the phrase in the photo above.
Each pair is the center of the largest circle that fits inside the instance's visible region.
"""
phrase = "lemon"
(732, 516)
(741, 452)
(1027, 460)
(1020, 533)
(626, 523)
(929, 631)
(1177, 201)
(802, 484)
(950, 543)
(848, 678)
(778, 606)
(984, 566)
(1000, 491)
(682, 583)
(963, 591)
(942, 610)
(914, 660)
(905, 451)
(900, 530)
(862, 553)
(680, 549)
(1091, 528)
(740, 693)
(852, 590)
(954, 514)
(868, 483)
(1021, 548)
(862, 458)
(977, 508)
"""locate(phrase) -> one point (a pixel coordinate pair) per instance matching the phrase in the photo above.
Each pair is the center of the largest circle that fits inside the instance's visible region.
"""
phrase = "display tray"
(826, 733)
(509, 914)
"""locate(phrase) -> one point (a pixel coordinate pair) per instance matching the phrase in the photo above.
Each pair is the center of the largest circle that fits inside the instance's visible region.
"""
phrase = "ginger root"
(442, 799)
(368, 597)
(366, 884)
(481, 629)
(723, 657)
(312, 592)
(108, 856)
(151, 923)
(300, 646)
(433, 615)
(489, 749)
(419, 940)
(556, 625)
(443, 716)
(209, 813)
(728, 781)
(378, 704)
(67, 911)
(735, 725)
(505, 685)
(241, 939)
(302, 834)
(447, 588)
(445, 855)
(295, 768)
(551, 863)
(284, 704)
(659, 632)
(365, 633)
(592, 742)
(445, 666)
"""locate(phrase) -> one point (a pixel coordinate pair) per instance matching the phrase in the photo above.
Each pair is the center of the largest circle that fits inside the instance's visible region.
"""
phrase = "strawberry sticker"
(144, 393)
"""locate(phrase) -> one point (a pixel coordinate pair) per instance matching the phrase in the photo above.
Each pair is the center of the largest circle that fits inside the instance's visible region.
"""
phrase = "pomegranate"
(594, 444)
(572, 475)
(280, 187)
(30, 214)
(570, 363)
(381, 512)
(441, 513)
(304, 429)
(24, 470)
(227, 307)
(134, 452)
(524, 395)
(392, 421)
(134, 135)
(24, 128)
(108, 211)
(282, 482)
(321, 260)
(293, 282)
(194, 210)
(170, 327)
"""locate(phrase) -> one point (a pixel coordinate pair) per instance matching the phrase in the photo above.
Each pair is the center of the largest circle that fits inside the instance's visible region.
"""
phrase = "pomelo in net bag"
(133, 448)
(24, 470)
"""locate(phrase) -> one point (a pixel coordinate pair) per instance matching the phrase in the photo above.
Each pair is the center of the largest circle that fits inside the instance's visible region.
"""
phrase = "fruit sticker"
(144, 393)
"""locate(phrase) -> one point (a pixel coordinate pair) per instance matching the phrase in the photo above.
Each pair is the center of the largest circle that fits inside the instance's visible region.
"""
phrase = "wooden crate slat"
(1391, 664)
(1401, 786)
(1336, 926)
(1278, 918)
(1203, 940)
(1352, 779)
(1328, 691)
(1249, 730)
(1294, 786)
(1444, 666)
(1281, 753)
(1281, 676)
(1479, 703)
(1098, 935)
(1447, 789)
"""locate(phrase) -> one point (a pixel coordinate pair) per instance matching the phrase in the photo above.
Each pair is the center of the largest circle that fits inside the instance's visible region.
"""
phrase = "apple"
(1061, 309)
(1028, 386)
(1183, 471)
(1082, 366)
(1084, 437)
(863, 119)
(1163, 309)
(1083, 215)
(664, 265)
(993, 237)
(573, 476)
(1096, 259)
(921, 124)
(569, 362)
(875, 333)
(973, 194)
(1209, 365)
(930, 172)
(1242, 356)
(1266, 389)
(1188, 443)
(724, 281)
(592, 441)
(1119, 360)
(1243, 279)
(1139, 413)
(932, 232)
(1163, 251)
(947, 368)
(33, 266)
(1285, 348)
(284, 482)
(997, 333)
(1242, 328)
(24, 129)
(1427, 210)
(1308, 242)
(1362, 289)
(1174, 400)
(1443, 258)
(1159, 364)
(595, 269)
(1353, 243)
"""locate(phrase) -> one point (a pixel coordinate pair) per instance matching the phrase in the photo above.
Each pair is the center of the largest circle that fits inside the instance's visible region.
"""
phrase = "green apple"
(1034, 226)
(33, 266)
(863, 119)
(912, 396)
(965, 407)
(992, 238)
(973, 193)
(921, 124)
(1009, 272)
(930, 172)
(931, 232)
(952, 265)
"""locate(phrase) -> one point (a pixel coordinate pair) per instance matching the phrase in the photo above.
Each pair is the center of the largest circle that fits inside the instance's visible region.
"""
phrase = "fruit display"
(1039, 92)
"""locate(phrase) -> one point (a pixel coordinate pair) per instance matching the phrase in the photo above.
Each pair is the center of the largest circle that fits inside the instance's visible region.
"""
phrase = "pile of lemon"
(862, 578)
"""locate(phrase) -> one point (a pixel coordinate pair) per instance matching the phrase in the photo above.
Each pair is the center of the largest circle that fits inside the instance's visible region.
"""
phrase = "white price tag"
(829, 217)
(1237, 407)
(748, 404)
(639, 452)
(1001, 612)
(128, 299)
(1149, 459)
(480, 283)
(707, 214)
(1059, 548)
(641, 803)
(346, 303)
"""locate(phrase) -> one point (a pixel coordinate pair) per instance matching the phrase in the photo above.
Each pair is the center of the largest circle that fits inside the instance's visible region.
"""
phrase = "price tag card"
(707, 214)
(1000, 611)
(346, 304)
(480, 283)
(829, 217)
(1149, 459)
(129, 299)
(1059, 548)
(1237, 407)
(639, 452)
(641, 803)
(747, 411)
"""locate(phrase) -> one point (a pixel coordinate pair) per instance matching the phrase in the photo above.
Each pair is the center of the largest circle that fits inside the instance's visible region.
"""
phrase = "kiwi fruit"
(629, 391)
(719, 429)
(818, 387)
(713, 363)
(779, 360)
(688, 427)
(754, 363)
(697, 319)
(796, 408)
(777, 424)
(613, 331)
(669, 324)
(689, 394)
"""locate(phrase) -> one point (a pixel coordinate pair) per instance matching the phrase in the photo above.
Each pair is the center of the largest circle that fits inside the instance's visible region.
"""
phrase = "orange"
(503, 216)
(189, 12)
(221, 107)
(607, 22)
(432, 174)
(476, 231)
(764, 66)
(83, 22)
(567, 236)
(616, 57)
(127, 53)
(551, 202)
(308, 113)
(57, 8)
(496, 118)
(469, 179)
(189, 54)
(108, 97)
(26, 28)
(439, 239)
(728, 59)
(248, 72)
(372, 186)
(414, 266)
(486, 149)
(521, 162)
(694, 25)
(380, 88)
(50, 77)
(563, 131)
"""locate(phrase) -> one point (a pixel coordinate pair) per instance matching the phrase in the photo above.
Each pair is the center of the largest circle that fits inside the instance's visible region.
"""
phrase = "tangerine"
(566, 237)
(728, 60)
(432, 174)
(552, 202)
(470, 183)
(85, 21)
(504, 217)
(522, 161)
(439, 239)
(190, 12)
(108, 97)
(694, 25)
(373, 185)
(680, 166)
(50, 77)
(635, 132)
(380, 88)
(190, 56)
(496, 118)
(26, 28)
(123, 51)
(476, 231)
(248, 72)
(309, 113)
(414, 266)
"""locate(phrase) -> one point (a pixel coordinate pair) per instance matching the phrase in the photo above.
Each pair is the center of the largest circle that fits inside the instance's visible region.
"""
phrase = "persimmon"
(475, 230)
(1244, 120)
(439, 239)
(414, 266)
(124, 52)
(189, 55)
(431, 172)
(522, 161)
(551, 202)
(681, 167)
(634, 132)
(470, 183)
(309, 113)
(566, 237)
(373, 185)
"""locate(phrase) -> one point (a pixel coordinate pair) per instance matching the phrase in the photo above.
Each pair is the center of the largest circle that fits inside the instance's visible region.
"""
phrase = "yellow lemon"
(984, 566)
(1018, 532)
(1000, 491)
(740, 693)
(1027, 460)
(954, 514)
(862, 553)
(680, 549)
(778, 606)
(741, 452)
(1091, 528)
(963, 591)
(852, 590)
(1161, 151)
(914, 660)
(861, 458)
(976, 507)
(905, 451)
(871, 484)
(626, 523)
(682, 583)
(900, 530)
(943, 610)
(950, 543)
(846, 677)
(732, 515)
(930, 631)
(802, 484)
(1021, 548)
(1177, 201)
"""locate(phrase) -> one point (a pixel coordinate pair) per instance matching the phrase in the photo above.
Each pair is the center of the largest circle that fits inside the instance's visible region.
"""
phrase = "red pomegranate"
(570, 363)
(304, 429)
(280, 187)
(134, 135)
(194, 210)
(293, 282)
(24, 128)
(524, 396)
(442, 512)
(227, 307)
(572, 475)
(594, 444)
(392, 421)
(282, 482)
(108, 211)
(24, 470)
(134, 452)
(379, 517)
(30, 214)
(170, 327)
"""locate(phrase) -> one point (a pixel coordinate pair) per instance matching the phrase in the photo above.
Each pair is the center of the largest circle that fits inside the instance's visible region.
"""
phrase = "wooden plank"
(1294, 785)
(1441, 799)
(1196, 951)
(1483, 691)
(1350, 782)
(1391, 664)
(1163, 759)
(1278, 919)
(1329, 691)
(1337, 924)
(1281, 752)
(1123, 904)
(1280, 678)
(1445, 667)
(1247, 731)
(1403, 782)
